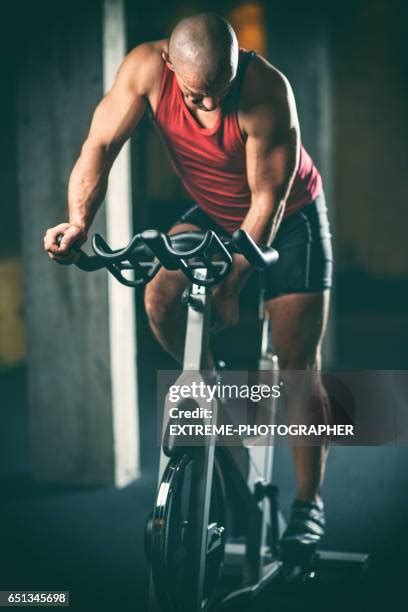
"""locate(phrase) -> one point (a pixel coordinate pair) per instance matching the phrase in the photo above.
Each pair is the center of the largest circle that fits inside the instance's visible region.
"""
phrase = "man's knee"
(298, 325)
(299, 359)
(300, 372)
(155, 310)
(161, 300)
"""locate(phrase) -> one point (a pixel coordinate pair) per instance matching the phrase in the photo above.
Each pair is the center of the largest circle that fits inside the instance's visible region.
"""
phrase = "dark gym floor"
(90, 542)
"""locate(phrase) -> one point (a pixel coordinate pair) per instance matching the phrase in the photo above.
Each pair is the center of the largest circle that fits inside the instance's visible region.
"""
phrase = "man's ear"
(166, 58)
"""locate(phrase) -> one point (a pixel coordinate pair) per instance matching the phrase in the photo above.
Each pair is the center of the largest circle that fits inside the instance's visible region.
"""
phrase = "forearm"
(88, 183)
(261, 223)
(263, 218)
(268, 204)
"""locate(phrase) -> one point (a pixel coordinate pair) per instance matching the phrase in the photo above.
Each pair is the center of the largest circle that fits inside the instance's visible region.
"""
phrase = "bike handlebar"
(186, 251)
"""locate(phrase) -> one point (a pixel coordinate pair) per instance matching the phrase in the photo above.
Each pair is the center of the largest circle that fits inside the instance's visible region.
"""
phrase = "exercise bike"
(197, 562)
(203, 555)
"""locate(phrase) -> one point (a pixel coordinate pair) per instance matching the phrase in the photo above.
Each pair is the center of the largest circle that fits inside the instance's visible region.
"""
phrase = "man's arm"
(114, 119)
(272, 157)
(270, 121)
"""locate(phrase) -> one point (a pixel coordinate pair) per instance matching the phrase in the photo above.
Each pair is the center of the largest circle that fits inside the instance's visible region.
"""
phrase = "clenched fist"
(72, 238)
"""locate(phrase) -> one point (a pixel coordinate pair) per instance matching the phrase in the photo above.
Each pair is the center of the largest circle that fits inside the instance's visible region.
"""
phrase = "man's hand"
(225, 308)
(67, 252)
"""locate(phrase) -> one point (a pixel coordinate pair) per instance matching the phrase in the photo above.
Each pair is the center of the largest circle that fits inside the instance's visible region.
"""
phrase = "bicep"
(117, 115)
(273, 143)
(270, 162)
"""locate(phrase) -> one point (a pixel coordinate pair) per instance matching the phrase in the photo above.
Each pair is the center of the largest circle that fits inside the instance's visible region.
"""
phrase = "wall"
(370, 94)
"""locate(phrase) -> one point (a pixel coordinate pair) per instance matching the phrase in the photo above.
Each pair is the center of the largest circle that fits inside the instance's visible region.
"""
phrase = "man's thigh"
(298, 323)
(168, 285)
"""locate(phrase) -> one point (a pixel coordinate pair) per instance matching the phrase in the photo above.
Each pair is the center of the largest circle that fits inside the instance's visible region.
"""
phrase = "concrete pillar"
(298, 46)
(83, 419)
(12, 337)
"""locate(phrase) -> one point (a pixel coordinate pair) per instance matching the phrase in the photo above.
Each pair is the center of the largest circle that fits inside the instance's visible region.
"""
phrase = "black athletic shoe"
(303, 534)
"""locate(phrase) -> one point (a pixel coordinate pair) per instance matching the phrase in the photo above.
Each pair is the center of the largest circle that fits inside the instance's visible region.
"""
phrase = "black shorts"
(303, 241)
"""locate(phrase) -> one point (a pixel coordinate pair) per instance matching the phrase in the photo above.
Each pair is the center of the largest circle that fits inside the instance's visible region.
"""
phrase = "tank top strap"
(244, 59)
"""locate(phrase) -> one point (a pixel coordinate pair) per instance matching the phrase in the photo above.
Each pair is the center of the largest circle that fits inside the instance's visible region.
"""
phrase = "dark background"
(347, 63)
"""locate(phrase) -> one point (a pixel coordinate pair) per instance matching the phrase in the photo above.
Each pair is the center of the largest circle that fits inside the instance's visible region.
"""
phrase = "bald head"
(204, 48)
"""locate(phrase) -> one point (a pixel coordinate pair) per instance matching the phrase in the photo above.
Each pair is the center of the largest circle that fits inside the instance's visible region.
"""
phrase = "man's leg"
(165, 311)
(298, 325)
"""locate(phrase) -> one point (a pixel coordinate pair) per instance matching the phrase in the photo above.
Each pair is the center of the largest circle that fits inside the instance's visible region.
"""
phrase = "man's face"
(202, 94)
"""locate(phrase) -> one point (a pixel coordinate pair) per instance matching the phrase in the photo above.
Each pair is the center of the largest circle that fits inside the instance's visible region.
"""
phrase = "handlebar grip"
(160, 245)
(84, 261)
(260, 257)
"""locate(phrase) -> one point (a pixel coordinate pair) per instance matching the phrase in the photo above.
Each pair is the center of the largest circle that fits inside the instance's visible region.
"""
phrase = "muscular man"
(229, 121)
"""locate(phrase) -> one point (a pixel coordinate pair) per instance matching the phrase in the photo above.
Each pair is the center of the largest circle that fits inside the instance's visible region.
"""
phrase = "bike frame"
(249, 559)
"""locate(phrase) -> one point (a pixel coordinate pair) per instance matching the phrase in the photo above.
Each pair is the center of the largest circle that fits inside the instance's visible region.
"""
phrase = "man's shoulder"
(262, 83)
(142, 67)
(266, 101)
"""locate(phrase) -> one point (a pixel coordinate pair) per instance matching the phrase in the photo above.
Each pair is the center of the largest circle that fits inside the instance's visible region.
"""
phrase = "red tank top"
(211, 161)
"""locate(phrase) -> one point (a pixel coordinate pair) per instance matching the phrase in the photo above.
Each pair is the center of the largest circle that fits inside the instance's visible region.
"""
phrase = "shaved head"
(203, 50)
